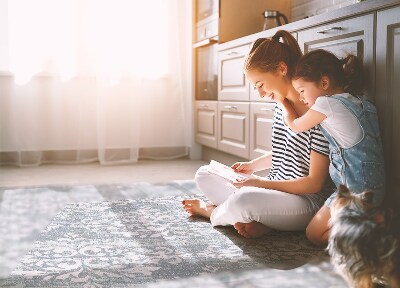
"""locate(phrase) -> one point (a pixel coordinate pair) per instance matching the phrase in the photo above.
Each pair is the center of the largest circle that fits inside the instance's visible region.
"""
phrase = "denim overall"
(360, 167)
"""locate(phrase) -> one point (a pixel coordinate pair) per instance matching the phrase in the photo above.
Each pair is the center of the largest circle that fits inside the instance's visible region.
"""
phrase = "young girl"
(327, 85)
(297, 185)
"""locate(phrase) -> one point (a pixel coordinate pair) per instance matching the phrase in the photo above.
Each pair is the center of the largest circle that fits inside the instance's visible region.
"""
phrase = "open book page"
(227, 172)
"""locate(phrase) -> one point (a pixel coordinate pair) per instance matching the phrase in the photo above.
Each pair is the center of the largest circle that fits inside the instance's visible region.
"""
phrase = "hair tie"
(344, 60)
(276, 38)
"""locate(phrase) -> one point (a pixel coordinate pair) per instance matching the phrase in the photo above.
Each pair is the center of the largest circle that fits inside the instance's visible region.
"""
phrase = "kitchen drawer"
(341, 37)
(232, 84)
(355, 36)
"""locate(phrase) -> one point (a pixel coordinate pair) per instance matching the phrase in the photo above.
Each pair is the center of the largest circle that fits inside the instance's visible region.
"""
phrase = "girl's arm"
(300, 124)
(312, 183)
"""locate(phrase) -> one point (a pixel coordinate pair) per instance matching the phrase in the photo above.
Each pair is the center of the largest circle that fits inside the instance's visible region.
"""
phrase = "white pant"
(275, 209)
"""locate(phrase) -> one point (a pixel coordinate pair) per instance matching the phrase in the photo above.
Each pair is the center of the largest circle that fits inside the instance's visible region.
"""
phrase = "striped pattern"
(291, 151)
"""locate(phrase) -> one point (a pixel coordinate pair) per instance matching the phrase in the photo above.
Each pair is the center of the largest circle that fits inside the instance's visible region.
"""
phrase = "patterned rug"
(151, 242)
(25, 212)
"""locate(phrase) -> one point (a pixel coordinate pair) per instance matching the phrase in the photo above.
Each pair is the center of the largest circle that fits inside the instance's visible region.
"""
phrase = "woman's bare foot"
(198, 207)
(251, 230)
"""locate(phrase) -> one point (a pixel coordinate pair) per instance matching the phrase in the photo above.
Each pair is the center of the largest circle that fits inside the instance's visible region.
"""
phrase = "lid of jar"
(270, 13)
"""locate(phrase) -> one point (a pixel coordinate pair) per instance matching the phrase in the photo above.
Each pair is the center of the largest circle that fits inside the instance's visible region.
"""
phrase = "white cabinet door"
(355, 36)
(388, 95)
(261, 120)
(206, 123)
(232, 84)
(233, 128)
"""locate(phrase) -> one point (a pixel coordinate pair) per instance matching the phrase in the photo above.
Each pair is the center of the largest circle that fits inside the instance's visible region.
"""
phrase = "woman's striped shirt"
(291, 151)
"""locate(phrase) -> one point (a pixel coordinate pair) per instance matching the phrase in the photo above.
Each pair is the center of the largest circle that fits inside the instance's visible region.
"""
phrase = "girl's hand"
(243, 167)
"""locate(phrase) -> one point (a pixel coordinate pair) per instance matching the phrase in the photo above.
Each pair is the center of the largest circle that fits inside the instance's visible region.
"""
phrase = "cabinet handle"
(231, 107)
(232, 53)
(267, 109)
(329, 29)
(204, 106)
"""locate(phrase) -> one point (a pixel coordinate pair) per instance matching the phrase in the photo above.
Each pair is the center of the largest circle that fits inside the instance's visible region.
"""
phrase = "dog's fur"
(364, 241)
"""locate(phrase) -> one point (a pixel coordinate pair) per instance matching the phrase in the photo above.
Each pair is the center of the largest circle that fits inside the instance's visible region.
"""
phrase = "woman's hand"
(243, 167)
(254, 182)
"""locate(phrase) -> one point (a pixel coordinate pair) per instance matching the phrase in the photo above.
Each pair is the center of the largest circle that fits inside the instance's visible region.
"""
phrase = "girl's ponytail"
(354, 75)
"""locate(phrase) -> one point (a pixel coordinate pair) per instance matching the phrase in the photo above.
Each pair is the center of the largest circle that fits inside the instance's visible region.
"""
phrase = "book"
(227, 172)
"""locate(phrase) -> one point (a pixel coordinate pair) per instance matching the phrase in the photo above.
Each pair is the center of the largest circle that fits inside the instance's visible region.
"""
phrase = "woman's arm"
(300, 124)
(312, 183)
(261, 163)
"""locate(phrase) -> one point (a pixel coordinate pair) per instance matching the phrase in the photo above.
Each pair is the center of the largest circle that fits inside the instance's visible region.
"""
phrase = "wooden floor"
(144, 170)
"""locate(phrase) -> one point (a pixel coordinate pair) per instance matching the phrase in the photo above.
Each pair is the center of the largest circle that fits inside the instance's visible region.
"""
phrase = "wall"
(306, 8)
(240, 18)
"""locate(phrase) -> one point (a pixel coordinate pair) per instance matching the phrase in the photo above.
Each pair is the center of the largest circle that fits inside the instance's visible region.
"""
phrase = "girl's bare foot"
(198, 207)
(251, 230)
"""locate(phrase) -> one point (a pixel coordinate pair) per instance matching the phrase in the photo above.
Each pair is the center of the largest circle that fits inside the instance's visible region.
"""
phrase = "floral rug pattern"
(151, 242)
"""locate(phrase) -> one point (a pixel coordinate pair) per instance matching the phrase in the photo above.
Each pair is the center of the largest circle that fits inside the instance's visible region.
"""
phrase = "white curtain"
(94, 80)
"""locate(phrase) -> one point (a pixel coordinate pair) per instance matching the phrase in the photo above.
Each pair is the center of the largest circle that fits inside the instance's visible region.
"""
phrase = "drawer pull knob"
(232, 53)
(329, 29)
(267, 109)
(231, 107)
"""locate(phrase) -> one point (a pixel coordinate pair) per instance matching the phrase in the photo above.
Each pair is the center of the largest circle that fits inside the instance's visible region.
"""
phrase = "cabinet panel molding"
(232, 84)
(261, 121)
(233, 128)
(206, 123)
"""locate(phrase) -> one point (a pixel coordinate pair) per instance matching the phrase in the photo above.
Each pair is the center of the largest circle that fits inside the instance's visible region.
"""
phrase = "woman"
(297, 184)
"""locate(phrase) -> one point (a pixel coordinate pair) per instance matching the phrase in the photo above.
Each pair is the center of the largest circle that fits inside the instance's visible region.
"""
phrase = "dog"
(364, 241)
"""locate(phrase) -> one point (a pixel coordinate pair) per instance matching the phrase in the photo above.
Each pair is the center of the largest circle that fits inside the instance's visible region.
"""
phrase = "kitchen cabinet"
(370, 29)
(232, 84)
(244, 127)
(233, 116)
(206, 123)
(261, 120)
(233, 128)
(351, 36)
(388, 96)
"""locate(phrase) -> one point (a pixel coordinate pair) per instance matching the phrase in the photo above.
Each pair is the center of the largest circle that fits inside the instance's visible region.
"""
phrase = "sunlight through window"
(109, 39)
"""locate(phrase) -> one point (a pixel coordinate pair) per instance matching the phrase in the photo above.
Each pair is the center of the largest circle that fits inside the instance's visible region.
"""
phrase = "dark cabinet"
(388, 96)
